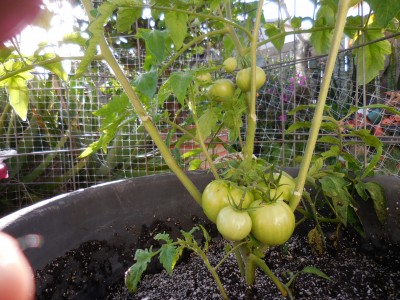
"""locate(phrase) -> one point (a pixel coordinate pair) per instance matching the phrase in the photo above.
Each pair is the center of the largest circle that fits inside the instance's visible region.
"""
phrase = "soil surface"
(356, 269)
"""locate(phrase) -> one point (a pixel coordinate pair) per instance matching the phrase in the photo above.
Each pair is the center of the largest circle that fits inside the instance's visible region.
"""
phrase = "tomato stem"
(251, 115)
(254, 260)
(343, 6)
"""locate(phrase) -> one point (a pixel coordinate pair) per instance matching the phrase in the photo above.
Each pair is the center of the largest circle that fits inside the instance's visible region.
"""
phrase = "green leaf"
(316, 167)
(134, 273)
(18, 94)
(376, 193)
(315, 271)
(180, 82)
(335, 188)
(155, 42)
(207, 122)
(195, 164)
(169, 255)
(361, 190)
(177, 27)
(372, 141)
(384, 12)
(329, 140)
(298, 125)
(372, 55)
(321, 40)
(126, 17)
(5, 52)
(295, 22)
(271, 30)
(147, 83)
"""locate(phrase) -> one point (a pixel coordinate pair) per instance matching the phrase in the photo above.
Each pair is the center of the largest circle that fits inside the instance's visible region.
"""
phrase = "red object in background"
(3, 171)
(15, 15)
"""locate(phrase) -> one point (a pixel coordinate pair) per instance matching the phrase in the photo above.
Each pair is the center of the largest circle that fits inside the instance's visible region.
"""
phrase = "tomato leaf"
(335, 188)
(195, 164)
(376, 193)
(315, 271)
(155, 42)
(177, 28)
(372, 55)
(321, 40)
(271, 30)
(18, 94)
(169, 255)
(384, 13)
(180, 82)
(126, 17)
(298, 125)
(207, 122)
(134, 273)
(147, 83)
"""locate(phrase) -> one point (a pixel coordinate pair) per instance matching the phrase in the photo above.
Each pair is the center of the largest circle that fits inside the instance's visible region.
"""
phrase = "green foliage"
(168, 254)
(372, 55)
(321, 40)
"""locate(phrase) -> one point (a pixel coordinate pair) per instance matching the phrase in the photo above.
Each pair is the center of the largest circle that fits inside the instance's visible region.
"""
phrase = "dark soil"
(96, 270)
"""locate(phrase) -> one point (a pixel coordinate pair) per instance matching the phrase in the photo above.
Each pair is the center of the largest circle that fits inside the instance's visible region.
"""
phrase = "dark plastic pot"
(117, 212)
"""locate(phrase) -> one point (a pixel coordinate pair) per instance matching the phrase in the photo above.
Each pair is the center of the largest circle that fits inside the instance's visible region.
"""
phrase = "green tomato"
(233, 224)
(230, 64)
(243, 79)
(285, 187)
(204, 77)
(218, 195)
(221, 90)
(273, 223)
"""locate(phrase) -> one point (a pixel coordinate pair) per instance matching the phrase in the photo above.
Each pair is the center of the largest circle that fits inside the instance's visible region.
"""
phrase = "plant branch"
(344, 6)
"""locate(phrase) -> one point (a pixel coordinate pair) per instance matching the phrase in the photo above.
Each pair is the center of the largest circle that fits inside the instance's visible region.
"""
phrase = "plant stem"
(144, 117)
(213, 273)
(316, 122)
(251, 116)
(263, 266)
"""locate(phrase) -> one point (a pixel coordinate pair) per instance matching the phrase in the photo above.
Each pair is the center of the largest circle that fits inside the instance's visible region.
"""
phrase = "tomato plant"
(243, 78)
(221, 90)
(273, 223)
(233, 224)
(221, 193)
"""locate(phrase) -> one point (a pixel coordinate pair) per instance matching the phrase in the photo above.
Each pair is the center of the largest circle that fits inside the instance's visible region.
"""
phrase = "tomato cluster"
(222, 90)
(261, 212)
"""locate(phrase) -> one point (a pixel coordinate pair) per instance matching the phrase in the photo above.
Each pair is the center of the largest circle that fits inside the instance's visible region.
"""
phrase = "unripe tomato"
(16, 15)
(243, 79)
(233, 224)
(285, 187)
(230, 64)
(16, 276)
(204, 77)
(273, 223)
(218, 195)
(221, 90)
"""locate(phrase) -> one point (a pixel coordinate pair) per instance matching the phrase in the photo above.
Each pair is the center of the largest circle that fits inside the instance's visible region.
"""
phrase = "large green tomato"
(218, 195)
(273, 223)
(233, 224)
(243, 79)
(221, 90)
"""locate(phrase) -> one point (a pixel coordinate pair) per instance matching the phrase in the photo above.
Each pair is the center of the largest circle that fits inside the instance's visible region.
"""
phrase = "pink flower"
(3, 171)
(282, 118)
